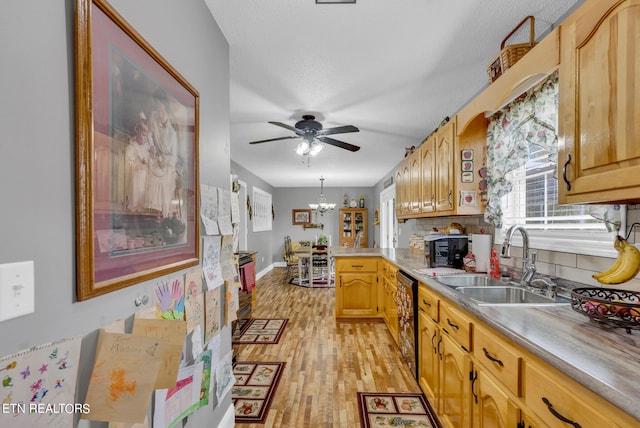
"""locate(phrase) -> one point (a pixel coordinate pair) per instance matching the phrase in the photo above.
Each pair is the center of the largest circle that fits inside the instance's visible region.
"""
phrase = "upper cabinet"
(599, 102)
(435, 180)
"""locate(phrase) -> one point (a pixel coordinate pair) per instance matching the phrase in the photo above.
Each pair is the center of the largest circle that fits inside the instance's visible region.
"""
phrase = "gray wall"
(270, 244)
(256, 241)
(37, 158)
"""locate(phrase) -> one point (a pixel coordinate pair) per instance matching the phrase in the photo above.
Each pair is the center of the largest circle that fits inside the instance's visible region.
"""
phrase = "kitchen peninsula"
(553, 344)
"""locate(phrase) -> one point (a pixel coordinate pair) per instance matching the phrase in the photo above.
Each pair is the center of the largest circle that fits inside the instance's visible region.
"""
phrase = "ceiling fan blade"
(338, 130)
(289, 127)
(338, 143)
(274, 139)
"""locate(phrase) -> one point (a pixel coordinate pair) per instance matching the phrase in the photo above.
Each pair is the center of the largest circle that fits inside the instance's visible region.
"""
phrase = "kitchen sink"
(468, 280)
(508, 295)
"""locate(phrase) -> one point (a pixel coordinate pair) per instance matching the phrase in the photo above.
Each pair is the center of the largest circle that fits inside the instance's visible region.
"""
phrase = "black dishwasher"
(407, 301)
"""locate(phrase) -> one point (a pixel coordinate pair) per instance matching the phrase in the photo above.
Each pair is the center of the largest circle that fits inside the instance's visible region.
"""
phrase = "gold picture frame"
(300, 217)
(137, 194)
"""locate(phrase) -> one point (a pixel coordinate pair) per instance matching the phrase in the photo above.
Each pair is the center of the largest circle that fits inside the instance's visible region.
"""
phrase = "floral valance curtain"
(531, 119)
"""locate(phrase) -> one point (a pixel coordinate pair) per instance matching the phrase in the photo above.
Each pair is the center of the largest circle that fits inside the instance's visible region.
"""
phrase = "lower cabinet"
(455, 387)
(357, 289)
(475, 377)
(492, 407)
(429, 342)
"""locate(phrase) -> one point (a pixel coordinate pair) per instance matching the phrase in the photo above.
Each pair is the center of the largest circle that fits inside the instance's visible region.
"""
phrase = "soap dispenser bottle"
(494, 265)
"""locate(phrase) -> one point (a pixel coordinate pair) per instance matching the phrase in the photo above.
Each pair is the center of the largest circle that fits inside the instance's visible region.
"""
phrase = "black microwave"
(445, 250)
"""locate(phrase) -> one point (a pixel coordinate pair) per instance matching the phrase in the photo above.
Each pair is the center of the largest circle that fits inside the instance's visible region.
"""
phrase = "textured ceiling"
(393, 68)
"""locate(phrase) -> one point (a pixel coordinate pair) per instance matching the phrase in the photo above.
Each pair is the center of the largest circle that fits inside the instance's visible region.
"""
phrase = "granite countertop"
(606, 361)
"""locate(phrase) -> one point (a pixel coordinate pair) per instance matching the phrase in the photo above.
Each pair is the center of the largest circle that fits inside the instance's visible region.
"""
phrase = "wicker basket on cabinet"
(511, 54)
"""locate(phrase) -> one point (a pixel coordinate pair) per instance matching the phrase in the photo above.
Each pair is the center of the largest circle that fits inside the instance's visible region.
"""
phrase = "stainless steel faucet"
(528, 264)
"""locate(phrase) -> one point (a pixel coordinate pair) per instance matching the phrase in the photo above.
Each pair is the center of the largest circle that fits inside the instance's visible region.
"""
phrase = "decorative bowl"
(612, 307)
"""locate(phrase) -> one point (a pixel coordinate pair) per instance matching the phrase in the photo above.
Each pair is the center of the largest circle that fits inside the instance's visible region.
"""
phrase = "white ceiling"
(392, 68)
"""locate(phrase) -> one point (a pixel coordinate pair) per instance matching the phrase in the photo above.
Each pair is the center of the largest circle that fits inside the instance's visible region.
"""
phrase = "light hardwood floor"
(327, 363)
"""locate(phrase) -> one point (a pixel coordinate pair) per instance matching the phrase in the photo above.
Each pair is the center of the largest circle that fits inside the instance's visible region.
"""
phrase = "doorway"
(388, 221)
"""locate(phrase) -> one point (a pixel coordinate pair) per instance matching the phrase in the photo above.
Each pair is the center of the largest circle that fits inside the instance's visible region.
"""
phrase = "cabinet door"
(599, 101)
(427, 175)
(444, 176)
(414, 187)
(356, 295)
(347, 236)
(392, 308)
(492, 408)
(455, 387)
(429, 358)
(399, 192)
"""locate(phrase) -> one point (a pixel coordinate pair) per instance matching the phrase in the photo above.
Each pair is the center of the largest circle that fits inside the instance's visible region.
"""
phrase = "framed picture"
(301, 217)
(136, 157)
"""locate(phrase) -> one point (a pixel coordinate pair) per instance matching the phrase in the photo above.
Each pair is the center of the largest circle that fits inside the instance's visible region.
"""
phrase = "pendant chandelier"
(322, 206)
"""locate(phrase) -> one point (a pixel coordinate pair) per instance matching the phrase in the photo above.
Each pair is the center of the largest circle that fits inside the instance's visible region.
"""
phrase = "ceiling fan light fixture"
(302, 148)
(315, 148)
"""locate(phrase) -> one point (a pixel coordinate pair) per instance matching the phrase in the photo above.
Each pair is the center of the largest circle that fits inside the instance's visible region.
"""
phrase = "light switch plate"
(17, 296)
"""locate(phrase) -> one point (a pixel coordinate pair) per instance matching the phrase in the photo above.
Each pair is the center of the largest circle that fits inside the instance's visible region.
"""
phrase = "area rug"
(380, 409)
(317, 283)
(254, 389)
(260, 331)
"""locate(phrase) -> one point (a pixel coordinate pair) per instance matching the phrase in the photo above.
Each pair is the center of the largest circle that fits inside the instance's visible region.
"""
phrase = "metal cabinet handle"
(357, 266)
(439, 353)
(494, 359)
(433, 345)
(450, 198)
(558, 415)
(473, 376)
(427, 304)
(452, 324)
(564, 172)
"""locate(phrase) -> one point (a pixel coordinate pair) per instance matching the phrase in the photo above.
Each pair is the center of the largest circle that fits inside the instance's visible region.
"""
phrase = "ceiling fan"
(311, 131)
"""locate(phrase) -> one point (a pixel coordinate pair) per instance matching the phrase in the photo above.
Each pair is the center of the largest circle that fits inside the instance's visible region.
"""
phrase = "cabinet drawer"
(456, 325)
(552, 397)
(498, 357)
(427, 302)
(348, 264)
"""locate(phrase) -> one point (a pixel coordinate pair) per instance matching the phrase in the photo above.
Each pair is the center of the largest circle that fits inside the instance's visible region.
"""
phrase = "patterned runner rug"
(380, 409)
(254, 389)
(260, 331)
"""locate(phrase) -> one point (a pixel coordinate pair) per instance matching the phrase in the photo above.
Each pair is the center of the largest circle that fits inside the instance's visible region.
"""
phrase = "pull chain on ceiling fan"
(313, 135)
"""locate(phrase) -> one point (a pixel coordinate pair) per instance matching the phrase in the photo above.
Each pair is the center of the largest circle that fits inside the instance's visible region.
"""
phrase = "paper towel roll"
(481, 248)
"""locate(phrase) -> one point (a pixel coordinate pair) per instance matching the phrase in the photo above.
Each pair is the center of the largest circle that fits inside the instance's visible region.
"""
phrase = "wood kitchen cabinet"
(388, 288)
(492, 406)
(357, 289)
(445, 168)
(454, 385)
(429, 181)
(599, 103)
(560, 401)
(429, 344)
(403, 184)
(354, 223)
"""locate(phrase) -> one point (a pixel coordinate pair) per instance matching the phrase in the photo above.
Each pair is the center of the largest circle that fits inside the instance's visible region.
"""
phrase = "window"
(568, 228)
(522, 148)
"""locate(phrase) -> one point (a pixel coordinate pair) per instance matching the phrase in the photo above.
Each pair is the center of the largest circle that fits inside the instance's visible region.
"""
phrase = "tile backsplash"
(576, 268)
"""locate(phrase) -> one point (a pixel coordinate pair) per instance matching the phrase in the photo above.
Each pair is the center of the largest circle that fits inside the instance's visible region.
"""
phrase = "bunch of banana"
(626, 266)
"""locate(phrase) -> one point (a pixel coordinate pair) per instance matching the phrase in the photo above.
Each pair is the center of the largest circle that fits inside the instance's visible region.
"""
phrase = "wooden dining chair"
(290, 259)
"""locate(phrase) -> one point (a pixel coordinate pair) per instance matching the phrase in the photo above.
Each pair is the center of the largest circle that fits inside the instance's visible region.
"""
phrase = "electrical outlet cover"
(17, 294)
